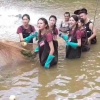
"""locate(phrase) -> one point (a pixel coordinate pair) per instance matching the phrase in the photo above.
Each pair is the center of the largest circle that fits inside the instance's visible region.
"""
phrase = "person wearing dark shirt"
(54, 31)
(26, 29)
(46, 44)
(52, 27)
(84, 39)
(91, 31)
(47, 49)
(73, 40)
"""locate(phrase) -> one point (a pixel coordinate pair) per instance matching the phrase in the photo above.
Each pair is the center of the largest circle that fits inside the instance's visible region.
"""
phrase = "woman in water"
(26, 29)
(84, 38)
(52, 26)
(73, 40)
(54, 31)
(46, 45)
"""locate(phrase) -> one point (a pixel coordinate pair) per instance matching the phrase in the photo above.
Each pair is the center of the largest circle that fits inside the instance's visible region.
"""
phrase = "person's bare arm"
(91, 27)
(21, 37)
(79, 42)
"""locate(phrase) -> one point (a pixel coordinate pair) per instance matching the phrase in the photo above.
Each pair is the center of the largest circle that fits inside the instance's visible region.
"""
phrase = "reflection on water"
(70, 79)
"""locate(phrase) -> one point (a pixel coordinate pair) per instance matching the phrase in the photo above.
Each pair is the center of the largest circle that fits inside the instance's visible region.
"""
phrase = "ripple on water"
(67, 95)
(98, 79)
(60, 81)
(68, 83)
(94, 96)
(24, 86)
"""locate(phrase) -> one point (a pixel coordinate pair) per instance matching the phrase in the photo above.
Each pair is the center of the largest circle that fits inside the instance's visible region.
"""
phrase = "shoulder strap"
(88, 23)
(87, 26)
(61, 23)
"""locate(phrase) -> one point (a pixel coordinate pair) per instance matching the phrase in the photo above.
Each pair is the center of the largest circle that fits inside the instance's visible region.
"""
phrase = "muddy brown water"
(71, 79)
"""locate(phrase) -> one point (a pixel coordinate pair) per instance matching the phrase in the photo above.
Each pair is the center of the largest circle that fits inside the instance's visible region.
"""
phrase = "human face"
(41, 25)
(80, 24)
(66, 16)
(72, 22)
(52, 21)
(83, 16)
(25, 21)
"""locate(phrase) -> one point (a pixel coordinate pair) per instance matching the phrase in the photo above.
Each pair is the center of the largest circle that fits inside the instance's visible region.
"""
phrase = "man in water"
(64, 26)
(91, 31)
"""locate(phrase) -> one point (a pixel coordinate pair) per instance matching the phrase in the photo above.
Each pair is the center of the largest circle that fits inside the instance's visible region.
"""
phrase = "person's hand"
(89, 40)
(22, 40)
(61, 34)
(23, 44)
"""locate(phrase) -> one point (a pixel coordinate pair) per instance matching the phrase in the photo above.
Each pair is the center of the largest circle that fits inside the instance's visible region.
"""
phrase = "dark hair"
(81, 20)
(75, 17)
(83, 10)
(76, 12)
(26, 15)
(53, 16)
(67, 13)
(45, 21)
(54, 27)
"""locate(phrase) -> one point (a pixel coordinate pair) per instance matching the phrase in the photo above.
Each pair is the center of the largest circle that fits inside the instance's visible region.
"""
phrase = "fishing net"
(10, 53)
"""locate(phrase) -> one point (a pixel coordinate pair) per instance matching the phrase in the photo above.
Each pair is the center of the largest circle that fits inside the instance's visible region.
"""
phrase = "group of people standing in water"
(77, 31)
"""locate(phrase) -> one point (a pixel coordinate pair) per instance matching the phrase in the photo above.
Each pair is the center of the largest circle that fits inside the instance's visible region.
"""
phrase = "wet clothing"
(89, 33)
(55, 42)
(72, 53)
(55, 33)
(64, 27)
(26, 32)
(45, 49)
(64, 24)
(84, 41)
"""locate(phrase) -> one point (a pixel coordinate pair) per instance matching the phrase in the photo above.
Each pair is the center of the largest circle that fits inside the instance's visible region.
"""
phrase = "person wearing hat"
(91, 31)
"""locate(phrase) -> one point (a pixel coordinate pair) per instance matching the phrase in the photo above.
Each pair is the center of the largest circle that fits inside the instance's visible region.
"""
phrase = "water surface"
(70, 79)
